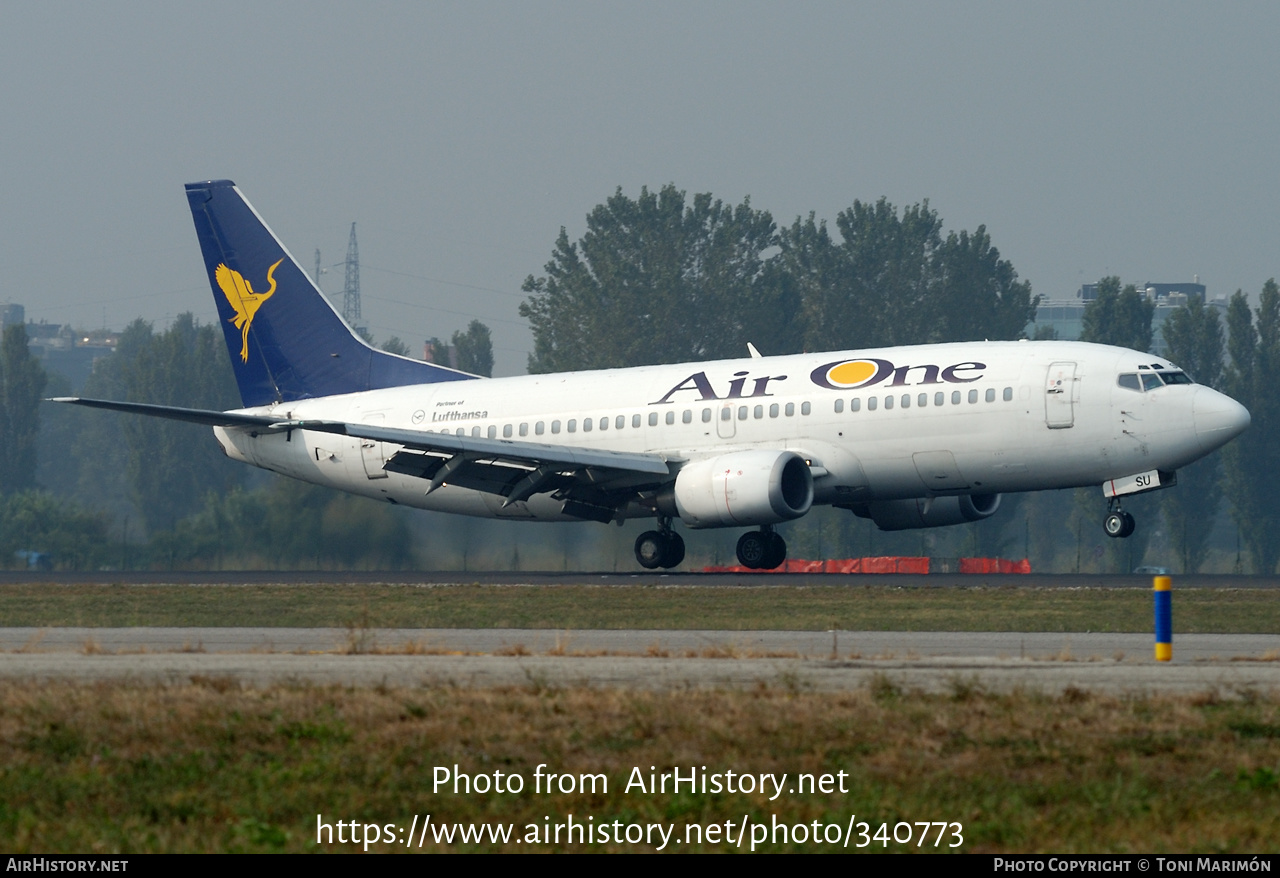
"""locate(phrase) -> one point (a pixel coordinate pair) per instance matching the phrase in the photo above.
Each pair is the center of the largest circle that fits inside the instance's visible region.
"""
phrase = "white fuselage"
(886, 424)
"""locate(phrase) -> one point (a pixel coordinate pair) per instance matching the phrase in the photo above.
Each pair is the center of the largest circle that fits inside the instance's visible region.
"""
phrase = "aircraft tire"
(1114, 524)
(1129, 525)
(775, 553)
(673, 553)
(753, 549)
(651, 549)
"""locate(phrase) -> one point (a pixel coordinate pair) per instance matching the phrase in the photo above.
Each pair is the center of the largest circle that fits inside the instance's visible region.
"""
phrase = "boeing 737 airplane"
(909, 437)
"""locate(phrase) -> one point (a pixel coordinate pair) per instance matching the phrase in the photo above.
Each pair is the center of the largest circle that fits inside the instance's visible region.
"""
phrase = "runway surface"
(676, 577)
(1229, 665)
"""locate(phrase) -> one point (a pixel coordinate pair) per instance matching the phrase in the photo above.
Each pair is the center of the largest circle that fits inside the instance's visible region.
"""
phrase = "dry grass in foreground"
(211, 766)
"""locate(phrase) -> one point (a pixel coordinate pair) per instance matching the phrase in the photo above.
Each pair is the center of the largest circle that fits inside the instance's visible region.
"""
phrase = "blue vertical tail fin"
(286, 341)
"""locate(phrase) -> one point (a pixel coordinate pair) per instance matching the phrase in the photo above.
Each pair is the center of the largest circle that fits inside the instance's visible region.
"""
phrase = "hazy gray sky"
(1138, 139)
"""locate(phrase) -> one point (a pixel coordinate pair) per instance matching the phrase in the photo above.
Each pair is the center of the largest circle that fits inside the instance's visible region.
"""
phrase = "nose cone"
(1218, 418)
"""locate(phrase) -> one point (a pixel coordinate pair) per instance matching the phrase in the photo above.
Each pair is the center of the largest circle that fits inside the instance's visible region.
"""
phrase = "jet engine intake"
(929, 512)
(742, 488)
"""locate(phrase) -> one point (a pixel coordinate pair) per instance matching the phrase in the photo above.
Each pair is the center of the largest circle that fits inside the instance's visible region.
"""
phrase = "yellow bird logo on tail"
(243, 299)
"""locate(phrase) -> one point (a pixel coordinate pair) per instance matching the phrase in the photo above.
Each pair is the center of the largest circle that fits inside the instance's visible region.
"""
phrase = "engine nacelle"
(743, 488)
(931, 512)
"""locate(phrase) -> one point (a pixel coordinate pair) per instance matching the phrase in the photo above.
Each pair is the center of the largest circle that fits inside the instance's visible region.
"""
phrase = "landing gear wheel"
(656, 549)
(650, 548)
(1113, 524)
(753, 548)
(761, 550)
(776, 552)
(1118, 524)
(674, 553)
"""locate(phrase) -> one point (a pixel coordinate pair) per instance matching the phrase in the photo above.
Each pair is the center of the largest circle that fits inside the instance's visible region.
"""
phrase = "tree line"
(664, 279)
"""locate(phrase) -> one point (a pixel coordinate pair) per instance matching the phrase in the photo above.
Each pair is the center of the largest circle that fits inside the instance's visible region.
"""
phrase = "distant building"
(59, 348)
(1065, 317)
(11, 314)
(436, 351)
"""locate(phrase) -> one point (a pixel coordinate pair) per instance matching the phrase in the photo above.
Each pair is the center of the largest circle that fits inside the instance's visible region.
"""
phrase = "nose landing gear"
(659, 548)
(1118, 524)
(761, 549)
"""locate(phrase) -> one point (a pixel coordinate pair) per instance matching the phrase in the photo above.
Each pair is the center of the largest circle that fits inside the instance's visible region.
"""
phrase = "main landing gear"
(1118, 524)
(659, 548)
(761, 549)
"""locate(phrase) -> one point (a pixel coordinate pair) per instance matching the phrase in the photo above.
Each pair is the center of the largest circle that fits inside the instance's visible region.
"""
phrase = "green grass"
(209, 766)
(816, 608)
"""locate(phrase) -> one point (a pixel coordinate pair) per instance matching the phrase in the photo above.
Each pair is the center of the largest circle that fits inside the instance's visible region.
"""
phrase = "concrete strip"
(1132, 647)
(954, 675)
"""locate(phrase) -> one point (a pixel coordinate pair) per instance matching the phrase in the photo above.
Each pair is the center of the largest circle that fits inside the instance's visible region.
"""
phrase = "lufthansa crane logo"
(243, 300)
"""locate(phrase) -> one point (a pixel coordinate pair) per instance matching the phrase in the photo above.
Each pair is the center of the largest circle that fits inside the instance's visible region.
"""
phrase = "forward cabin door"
(1059, 396)
(725, 424)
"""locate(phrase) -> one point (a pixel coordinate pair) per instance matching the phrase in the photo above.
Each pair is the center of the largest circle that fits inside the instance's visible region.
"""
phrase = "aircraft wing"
(596, 480)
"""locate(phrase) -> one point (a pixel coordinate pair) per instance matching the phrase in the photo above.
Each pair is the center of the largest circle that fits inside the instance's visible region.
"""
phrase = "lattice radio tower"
(351, 291)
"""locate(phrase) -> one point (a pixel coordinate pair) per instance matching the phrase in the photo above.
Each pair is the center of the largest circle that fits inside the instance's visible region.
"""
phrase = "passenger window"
(539, 428)
(939, 398)
(790, 409)
(506, 431)
(973, 395)
(653, 419)
(706, 416)
(635, 420)
(604, 423)
(773, 410)
(555, 426)
(991, 394)
(687, 417)
(871, 403)
(742, 413)
(492, 431)
(475, 432)
(922, 400)
(619, 422)
(955, 397)
(855, 405)
(461, 432)
(759, 412)
(1008, 394)
(839, 406)
(586, 426)
(906, 400)
(805, 408)
(573, 425)
(726, 414)
(888, 403)
(671, 418)
(524, 429)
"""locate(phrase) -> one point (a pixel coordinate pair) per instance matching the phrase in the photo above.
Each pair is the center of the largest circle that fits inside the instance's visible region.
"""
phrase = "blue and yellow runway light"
(1164, 618)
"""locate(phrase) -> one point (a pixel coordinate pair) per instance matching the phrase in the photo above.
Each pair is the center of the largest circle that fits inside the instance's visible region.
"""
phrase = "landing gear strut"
(659, 548)
(1118, 524)
(761, 549)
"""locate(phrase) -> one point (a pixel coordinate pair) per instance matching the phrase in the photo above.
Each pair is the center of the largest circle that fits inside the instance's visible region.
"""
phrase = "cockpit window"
(1150, 380)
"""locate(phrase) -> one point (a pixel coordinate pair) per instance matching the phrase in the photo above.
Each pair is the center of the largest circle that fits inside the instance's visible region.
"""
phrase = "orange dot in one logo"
(851, 373)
